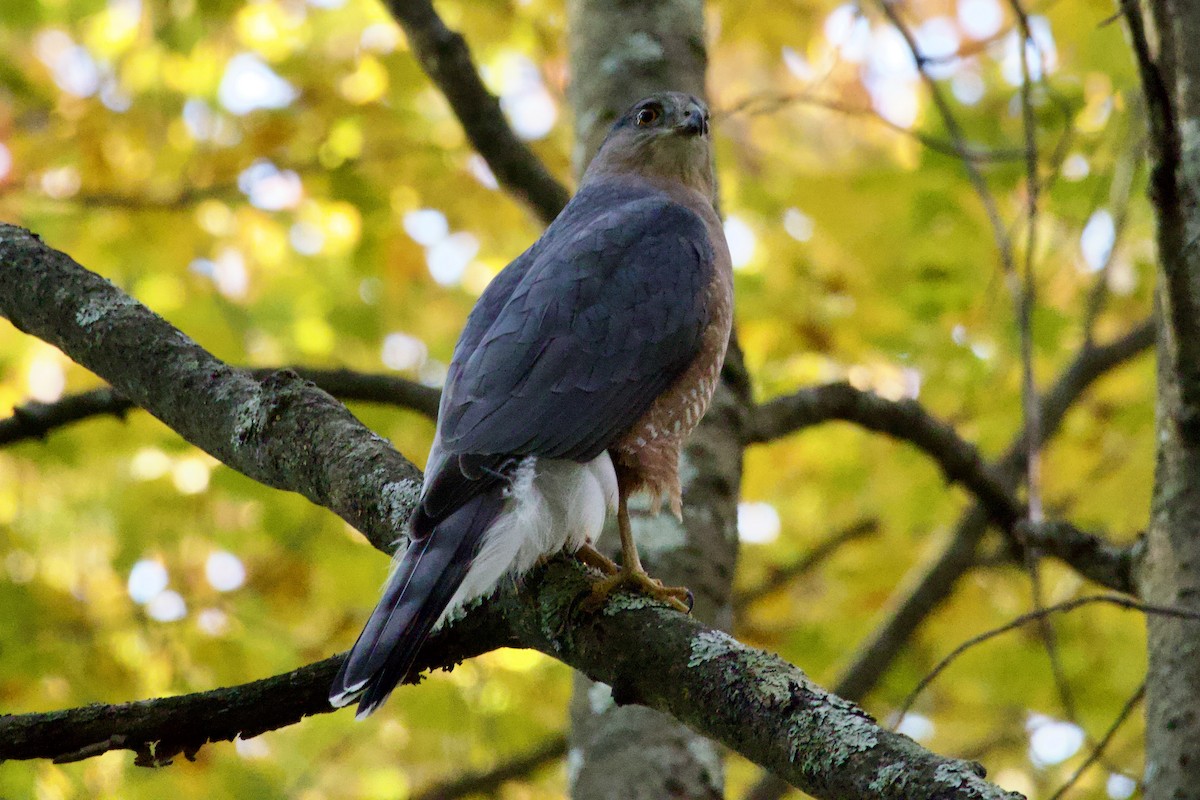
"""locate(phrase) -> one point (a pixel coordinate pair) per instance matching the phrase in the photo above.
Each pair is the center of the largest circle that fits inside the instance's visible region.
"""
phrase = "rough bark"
(931, 585)
(747, 700)
(36, 420)
(1171, 80)
(278, 429)
(621, 52)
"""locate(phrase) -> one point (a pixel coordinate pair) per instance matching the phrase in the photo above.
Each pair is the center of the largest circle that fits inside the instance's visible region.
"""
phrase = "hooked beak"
(694, 123)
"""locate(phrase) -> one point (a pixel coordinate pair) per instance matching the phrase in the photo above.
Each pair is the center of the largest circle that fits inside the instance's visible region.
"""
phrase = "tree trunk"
(621, 52)
(1171, 78)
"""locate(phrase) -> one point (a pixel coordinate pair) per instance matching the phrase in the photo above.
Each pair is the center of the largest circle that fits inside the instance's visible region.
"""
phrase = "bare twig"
(36, 420)
(938, 579)
(1025, 298)
(957, 137)
(1098, 750)
(1118, 200)
(1120, 601)
(445, 57)
(1025, 295)
(488, 781)
(787, 574)
(769, 103)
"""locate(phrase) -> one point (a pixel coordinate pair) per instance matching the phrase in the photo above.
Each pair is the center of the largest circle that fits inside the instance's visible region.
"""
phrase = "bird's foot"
(591, 557)
(678, 597)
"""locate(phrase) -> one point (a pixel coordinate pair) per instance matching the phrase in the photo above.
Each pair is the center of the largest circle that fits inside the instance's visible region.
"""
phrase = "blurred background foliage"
(279, 180)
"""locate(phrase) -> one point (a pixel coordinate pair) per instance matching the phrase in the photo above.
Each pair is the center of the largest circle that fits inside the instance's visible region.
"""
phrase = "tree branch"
(446, 59)
(1105, 740)
(278, 429)
(771, 102)
(490, 780)
(1127, 603)
(781, 576)
(35, 420)
(938, 579)
(907, 420)
(751, 701)
(1092, 556)
(876, 654)
(159, 730)
(958, 138)
(994, 487)
(291, 435)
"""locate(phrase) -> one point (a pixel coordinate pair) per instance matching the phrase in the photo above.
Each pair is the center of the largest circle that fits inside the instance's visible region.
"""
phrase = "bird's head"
(663, 137)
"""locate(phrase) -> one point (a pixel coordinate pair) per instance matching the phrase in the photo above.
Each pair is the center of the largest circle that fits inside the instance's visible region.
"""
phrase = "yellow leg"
(593, 558)
(632, 575)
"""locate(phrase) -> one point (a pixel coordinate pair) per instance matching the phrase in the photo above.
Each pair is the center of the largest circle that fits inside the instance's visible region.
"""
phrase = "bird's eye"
(648, 116)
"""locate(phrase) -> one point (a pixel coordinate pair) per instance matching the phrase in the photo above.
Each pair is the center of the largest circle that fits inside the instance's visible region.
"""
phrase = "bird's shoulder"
(575, 342)
(614, 212)
(623, 229)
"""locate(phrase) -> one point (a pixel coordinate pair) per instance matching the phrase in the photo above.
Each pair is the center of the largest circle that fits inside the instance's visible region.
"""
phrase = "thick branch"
(903, 419)
(993, 486)
(1094, 558)
(445, 57)
(293, 436)
(158, 730)
(278, 429)
(751, 701)
(938, 579)
(35, 420)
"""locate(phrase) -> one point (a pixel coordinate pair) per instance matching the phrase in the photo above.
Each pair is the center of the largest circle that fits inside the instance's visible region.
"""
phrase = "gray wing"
(605, 314)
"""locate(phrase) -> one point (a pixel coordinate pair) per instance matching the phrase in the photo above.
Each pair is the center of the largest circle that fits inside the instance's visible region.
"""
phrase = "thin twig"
(1120, 601)
(36, 420)
(488, 781)
(1118, 199)
(957, 137)
(1025, 295)
(1105, 740)
(771, 102)
(785, 575)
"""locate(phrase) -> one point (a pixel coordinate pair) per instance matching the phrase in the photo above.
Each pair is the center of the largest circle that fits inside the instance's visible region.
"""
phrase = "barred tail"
(414, 598)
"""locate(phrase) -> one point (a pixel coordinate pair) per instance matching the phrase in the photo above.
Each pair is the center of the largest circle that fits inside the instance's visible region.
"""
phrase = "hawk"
(582, 369)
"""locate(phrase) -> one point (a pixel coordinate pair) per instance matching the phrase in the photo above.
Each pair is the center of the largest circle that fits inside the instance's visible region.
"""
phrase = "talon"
(678, 597)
